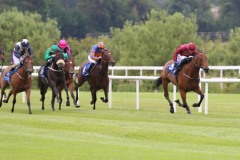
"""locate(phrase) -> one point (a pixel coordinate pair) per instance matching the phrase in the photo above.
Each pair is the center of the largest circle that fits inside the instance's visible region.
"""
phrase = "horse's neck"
(191, 69)
(22, 72)
(104, 67)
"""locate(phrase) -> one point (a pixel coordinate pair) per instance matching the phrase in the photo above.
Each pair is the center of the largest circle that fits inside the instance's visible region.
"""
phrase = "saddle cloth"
(85, 68)
(172, 68)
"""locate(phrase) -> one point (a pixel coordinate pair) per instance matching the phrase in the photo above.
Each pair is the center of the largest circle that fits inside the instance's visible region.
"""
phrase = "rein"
(54, 69)
(190, 76)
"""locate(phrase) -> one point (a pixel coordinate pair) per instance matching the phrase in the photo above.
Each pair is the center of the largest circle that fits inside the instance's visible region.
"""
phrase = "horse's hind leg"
(28, 92)
(166, 95)
(183, 96)
(199, 92)
(9, 95)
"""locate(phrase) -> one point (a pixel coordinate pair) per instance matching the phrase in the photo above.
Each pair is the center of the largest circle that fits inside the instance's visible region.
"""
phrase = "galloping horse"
(99, 78)
(69, 72)
(187, 80)
(55, 80)
(20, 81)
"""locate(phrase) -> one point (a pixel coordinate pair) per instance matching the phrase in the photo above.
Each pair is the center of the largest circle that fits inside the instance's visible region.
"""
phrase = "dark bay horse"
(99, 78)
(69, 72)
(55, 80)
(187, 80)
(20, 81)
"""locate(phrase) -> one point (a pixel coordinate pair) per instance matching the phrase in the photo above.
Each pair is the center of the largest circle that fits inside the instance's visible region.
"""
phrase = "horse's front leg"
(94, 97)
(71, 88)
(53, 100)
(105, 89)
(14, 101)
(28, 92)
(199, 92)
(54, 90)
(66, 90)
(60, 97)
(183, 96)
(166, 95)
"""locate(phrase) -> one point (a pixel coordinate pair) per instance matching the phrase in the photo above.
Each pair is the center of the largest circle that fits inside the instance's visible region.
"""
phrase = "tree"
(153, 42)
(16, 25)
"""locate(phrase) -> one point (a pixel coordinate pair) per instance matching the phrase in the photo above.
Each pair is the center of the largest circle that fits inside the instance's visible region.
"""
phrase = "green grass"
(121, 133)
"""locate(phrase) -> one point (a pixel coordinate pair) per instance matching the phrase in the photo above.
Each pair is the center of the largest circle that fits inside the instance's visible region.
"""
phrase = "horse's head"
(69, 66)
(201, 61)
(58, 61)
(28, 64)
(107, 57)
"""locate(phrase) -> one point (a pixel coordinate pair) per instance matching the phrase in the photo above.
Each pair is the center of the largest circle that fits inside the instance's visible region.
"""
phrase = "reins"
(196, 66)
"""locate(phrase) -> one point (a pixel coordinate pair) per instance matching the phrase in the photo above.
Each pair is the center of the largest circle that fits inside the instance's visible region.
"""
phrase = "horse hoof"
(91, 102)
(67, 103)
(171, 110)
(102, 99)
(189, 112)
(5, 101)
(195, 105)
(77, 106)
(177, 101)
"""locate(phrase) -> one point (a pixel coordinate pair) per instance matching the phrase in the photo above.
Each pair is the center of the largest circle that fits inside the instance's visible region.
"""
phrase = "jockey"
(65, 47)
(184, 54)
(19, 51)
(95, 54)
(49, 54)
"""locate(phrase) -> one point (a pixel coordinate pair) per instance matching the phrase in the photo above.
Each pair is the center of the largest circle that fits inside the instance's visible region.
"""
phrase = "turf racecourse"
(121, 133)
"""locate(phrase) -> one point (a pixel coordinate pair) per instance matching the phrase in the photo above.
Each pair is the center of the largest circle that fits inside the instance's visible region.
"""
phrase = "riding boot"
(90, 69)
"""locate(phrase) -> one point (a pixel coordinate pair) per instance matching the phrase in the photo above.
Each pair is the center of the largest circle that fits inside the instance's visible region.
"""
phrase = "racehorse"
(2, 58)
(55, 80)
(69, 72)
(99, 78)
(187, 80)
(20, 81)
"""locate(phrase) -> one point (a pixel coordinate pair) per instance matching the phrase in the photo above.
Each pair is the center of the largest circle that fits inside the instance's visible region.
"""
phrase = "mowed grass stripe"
(121, 132)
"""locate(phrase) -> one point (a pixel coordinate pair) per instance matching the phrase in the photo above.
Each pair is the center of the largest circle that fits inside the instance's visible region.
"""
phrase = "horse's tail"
(158, 83)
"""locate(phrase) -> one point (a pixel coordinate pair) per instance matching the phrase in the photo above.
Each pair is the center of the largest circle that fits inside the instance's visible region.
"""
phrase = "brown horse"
(187, 80)
(55, 80)
(99, 78)
(69, 72)
(20, 81)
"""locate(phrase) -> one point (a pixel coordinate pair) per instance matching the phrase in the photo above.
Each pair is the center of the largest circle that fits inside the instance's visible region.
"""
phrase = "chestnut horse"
(20, 81)
(187, 80)
(55, 80)
(69, 72)
(98, 80)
